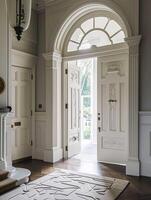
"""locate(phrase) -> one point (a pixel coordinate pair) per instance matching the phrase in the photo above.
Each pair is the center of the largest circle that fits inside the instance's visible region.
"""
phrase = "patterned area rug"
(68, 185)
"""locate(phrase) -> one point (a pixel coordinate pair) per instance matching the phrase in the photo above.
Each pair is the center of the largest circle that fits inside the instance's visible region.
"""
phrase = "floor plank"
(138, 189)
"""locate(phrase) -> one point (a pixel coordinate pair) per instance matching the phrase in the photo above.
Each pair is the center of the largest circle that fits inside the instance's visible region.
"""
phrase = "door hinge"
(66, 71)
(31, 112)
(31, 143)
(32, 77)
(66, 148)
(66, 106)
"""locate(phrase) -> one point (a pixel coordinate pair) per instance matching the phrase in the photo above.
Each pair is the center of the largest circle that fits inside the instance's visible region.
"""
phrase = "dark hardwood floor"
(138, 189)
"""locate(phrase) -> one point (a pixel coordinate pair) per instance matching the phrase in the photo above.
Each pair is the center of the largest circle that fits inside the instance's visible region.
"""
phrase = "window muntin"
(97, 31)
(95, 38)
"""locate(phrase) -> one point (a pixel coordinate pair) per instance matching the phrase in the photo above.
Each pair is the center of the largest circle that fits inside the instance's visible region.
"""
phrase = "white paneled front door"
(74, 139)
(21, 106)
(112, 111)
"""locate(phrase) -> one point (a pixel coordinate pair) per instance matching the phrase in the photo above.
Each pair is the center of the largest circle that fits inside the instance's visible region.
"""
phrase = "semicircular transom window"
(96, 32)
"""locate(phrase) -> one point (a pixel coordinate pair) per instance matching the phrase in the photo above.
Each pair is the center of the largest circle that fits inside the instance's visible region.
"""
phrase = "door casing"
(120, 50)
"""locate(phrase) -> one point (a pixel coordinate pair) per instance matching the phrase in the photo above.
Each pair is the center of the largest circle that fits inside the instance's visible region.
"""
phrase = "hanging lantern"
(19, 12)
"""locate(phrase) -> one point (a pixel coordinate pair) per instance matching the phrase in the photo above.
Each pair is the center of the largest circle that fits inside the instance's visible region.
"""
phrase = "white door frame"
(53, 60)
(131, 48)
(100, 52)
(28, 61)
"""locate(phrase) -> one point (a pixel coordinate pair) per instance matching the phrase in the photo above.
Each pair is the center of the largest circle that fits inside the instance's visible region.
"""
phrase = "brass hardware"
(17, 124)
(66, 148)
(99, 129)
(66, 106)
(112, 101)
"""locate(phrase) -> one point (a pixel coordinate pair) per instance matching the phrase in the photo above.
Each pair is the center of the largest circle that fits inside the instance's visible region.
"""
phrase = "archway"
(132, 43)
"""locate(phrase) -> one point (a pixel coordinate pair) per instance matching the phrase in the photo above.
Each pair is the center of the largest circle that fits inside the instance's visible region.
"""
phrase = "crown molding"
(42, 4)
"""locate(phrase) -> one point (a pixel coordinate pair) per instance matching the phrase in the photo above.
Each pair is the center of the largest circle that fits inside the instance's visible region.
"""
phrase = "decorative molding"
(42, 4)
(53, 155)
(133, 44)
(41, 116)
(22, 59)
(133, 167)
(52, 60)
(133, 41)
(103, 52)
(56, 55)
(133, 164)
(39, 137)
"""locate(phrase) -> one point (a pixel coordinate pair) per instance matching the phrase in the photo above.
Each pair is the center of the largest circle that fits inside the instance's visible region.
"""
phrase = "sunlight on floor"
(88, 153)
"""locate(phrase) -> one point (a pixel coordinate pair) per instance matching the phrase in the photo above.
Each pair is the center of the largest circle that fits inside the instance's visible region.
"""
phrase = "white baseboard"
(2, 165)
(146, 168)
(53, 155)
(133, 167)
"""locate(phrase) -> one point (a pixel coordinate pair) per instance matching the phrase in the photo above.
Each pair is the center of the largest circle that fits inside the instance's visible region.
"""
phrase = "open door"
(112, 111)
(74, 138)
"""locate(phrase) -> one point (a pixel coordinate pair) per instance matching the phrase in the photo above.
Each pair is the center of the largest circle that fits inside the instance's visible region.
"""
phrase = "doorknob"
(74, 138)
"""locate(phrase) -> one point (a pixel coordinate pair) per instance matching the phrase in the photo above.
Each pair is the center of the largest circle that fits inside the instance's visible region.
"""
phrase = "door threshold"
(112, 163)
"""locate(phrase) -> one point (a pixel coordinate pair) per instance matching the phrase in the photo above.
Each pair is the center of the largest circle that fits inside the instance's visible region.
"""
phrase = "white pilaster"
(53, 145)
(133, 164)
(5, 141)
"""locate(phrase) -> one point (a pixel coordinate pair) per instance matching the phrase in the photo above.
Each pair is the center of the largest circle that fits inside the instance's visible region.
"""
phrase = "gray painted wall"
(40, 70)
(28, 43)
(145, 55)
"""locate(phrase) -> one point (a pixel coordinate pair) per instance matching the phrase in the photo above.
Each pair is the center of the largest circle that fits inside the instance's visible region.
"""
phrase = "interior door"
(21, 107)
(112, 111)
(74, 138)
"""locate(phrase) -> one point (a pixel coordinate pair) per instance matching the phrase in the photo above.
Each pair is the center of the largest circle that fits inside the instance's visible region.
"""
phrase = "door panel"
(112, 112)
(21, 106)
(74, 140)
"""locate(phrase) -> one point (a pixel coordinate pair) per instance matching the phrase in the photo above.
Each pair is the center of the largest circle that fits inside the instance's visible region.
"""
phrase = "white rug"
(68, 185)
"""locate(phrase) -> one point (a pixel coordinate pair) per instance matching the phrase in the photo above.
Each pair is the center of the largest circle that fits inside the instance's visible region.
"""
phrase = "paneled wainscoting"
(39, 136)
(145, 143)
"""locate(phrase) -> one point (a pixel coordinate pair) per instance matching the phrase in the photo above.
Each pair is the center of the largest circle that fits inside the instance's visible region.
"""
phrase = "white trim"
(22, 59)
(102, 13)
(133, 164)
(53, 155)
(40, 125)
(84, 10)
(115, 49)
(132, 167)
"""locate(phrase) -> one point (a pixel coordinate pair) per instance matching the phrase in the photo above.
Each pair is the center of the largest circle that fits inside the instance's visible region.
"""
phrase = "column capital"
(53, 56)
(133, 41)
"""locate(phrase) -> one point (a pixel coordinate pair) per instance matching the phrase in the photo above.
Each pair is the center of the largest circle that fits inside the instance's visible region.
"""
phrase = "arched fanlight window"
(98, 32)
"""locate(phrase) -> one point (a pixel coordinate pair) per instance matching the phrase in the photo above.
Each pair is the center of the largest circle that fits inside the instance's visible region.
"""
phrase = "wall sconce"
(19, 12)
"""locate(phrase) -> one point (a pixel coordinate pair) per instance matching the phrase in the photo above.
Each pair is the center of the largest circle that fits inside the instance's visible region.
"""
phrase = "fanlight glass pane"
(95, 38)
(72, 46)
(100, 22)
(118, 38)
(77, 35)
(87, 25)
(112, 27)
